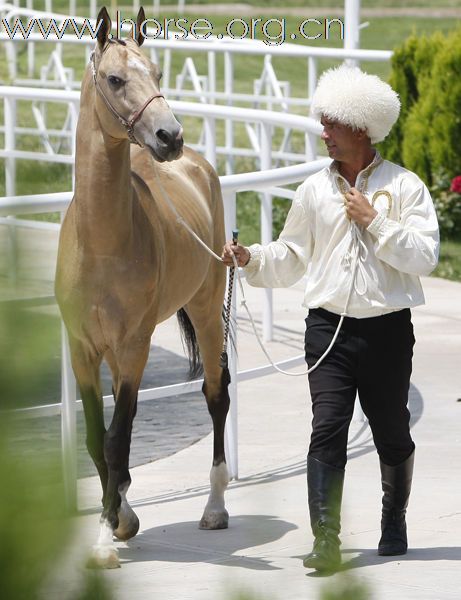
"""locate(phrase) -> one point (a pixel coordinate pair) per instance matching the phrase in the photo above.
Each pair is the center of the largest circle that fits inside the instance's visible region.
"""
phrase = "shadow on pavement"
(369, 557)
(184, 542)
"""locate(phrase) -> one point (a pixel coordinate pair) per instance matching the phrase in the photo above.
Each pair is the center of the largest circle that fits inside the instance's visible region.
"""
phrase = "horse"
(125, 264)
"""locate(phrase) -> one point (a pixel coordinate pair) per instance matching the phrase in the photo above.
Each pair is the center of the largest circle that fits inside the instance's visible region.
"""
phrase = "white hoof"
(214, 519)
(103, 557)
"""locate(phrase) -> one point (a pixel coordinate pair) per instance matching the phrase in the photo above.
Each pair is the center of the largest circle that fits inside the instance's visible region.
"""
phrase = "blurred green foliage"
(33, 522)
(35, 525)
(345, 587)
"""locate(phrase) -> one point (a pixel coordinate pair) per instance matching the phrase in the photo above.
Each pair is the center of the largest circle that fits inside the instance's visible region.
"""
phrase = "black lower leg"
(95, 432)
(396, 485)
(117, 451)
(218, 407)
(325, 487)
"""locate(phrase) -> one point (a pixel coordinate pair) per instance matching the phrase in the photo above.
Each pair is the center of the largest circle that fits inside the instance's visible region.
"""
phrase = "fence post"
(229, 124)
(10, 184)
(311, 76)
(352, 28)
(10, 161)
(212, 77)
(210, 140)
(231, 431)
(11, 57)
(68, 424)
(266, 225)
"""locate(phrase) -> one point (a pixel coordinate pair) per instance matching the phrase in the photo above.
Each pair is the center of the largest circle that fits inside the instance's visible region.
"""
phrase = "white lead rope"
(354, 250)
(338, 328)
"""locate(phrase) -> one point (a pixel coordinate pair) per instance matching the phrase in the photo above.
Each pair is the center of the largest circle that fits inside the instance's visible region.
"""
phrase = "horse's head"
(128, 100)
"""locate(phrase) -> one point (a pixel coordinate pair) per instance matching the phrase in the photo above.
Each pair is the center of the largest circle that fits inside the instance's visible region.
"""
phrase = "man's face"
(342, 141)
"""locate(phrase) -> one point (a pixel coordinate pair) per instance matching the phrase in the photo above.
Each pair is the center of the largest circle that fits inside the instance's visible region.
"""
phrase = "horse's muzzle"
(169, 143)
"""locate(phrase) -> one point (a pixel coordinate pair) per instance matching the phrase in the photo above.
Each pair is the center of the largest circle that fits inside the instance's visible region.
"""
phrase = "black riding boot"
(325, 490)
(396, 484)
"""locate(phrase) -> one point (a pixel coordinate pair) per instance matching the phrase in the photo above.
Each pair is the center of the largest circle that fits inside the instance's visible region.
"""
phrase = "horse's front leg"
(86, 363)
(128, 524)
(118, 518)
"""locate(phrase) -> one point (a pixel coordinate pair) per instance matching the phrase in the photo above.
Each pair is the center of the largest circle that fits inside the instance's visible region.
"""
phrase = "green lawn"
(449, 266)
(83, 6)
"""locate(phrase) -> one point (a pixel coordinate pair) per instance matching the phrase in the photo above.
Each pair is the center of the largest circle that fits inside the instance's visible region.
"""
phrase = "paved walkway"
(260, 553)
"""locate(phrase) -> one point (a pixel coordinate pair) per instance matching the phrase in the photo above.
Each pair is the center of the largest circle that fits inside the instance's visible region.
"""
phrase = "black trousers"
(373, 357)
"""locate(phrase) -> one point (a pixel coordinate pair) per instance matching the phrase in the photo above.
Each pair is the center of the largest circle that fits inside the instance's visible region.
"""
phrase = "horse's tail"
(190, 342)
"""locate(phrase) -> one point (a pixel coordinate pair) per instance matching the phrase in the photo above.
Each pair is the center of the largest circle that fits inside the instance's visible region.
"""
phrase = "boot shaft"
(325, 489)
(396, 485)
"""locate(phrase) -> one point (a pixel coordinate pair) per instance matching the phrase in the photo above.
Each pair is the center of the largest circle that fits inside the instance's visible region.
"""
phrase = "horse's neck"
(103, 191)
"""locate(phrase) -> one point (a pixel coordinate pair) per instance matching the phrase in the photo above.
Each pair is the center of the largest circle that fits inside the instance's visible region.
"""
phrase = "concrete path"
(260, 554)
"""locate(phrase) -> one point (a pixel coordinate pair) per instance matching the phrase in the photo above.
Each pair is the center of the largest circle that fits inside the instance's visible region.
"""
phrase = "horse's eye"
(160, 75)
(115, 81)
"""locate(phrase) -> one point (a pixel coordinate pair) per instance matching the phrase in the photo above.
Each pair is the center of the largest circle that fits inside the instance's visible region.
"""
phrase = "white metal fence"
(204, 71)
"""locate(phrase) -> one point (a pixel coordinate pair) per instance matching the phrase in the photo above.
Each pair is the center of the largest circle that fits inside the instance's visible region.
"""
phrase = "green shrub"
(426, 73)
(447, 204)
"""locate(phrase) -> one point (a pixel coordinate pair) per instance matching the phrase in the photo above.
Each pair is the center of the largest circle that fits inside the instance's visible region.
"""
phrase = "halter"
(127, 123)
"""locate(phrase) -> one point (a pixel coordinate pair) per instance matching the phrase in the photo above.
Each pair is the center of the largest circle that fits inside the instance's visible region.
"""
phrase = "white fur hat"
(352, 97)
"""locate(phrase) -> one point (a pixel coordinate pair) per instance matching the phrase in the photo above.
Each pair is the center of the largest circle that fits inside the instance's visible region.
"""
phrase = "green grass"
(449, 266)
(83, 6)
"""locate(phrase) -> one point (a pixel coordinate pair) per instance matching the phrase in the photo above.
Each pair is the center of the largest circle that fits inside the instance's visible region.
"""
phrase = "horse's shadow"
(185, 542)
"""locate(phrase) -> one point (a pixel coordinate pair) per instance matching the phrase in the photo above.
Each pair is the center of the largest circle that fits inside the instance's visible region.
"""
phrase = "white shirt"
(400, 244)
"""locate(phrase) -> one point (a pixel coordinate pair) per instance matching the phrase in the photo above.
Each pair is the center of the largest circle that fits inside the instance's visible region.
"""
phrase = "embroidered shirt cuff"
(255, 258)
(376, 224)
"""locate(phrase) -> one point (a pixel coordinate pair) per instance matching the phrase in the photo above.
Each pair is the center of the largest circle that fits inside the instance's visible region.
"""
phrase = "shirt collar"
(377, 159)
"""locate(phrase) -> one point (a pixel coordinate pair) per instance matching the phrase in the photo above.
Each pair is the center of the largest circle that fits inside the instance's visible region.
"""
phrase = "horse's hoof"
(128, 523)
(214, 520)
(103, 557)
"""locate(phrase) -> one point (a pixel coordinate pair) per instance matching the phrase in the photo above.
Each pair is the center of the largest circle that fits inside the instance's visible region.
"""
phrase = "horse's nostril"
(164, 136)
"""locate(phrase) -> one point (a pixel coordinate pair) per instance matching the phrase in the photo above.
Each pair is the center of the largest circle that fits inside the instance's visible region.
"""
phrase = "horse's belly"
(178, 288)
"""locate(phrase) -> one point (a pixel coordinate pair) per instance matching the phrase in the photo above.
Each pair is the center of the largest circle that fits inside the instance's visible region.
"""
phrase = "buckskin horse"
(124, 265)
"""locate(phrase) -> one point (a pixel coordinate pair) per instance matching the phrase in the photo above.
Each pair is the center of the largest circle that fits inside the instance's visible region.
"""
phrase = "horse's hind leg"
(207, 323)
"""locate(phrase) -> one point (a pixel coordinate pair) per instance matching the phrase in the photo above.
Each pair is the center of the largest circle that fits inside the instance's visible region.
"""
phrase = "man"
(360, 203)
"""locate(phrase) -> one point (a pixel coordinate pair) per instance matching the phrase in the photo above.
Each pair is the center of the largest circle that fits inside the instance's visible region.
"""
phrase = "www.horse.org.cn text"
(271, 31)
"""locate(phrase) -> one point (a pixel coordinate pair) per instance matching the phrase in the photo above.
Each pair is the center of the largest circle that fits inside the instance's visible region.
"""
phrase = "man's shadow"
(185, 542)
(369, 557)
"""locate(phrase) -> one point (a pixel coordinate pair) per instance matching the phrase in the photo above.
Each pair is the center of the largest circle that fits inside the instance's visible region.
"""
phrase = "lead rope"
(338, 327)
(224, 360)
(354, 250)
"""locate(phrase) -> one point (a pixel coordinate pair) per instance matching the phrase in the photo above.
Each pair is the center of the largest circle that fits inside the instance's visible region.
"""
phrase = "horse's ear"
(103, 26)
(139, 21)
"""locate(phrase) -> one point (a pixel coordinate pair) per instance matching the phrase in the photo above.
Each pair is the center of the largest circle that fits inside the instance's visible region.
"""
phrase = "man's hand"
(241, 253)
(358, 208)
